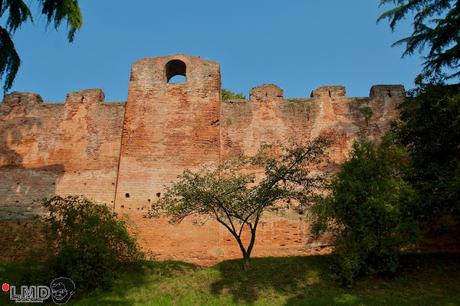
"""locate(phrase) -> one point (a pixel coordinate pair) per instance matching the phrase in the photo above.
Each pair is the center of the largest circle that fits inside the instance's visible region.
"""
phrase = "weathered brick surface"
(48, 149)
(123, 154)
(168, 127)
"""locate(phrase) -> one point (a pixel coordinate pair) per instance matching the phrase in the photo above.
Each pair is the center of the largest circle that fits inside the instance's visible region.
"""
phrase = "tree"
(17, 13)
(371, 210)
(436, 25)
(234, 196)
(230, 95)
(429, 128)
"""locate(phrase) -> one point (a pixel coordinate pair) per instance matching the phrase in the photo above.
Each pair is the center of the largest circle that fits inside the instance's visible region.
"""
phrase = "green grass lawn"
(429, 279)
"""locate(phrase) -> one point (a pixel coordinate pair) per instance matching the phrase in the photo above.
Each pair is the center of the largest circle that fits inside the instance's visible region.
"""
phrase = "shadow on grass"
(134, 278)
(281, 276)
(424, 279)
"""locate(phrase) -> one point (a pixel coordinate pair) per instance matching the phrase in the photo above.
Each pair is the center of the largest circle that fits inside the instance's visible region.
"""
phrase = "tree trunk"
(246, 264)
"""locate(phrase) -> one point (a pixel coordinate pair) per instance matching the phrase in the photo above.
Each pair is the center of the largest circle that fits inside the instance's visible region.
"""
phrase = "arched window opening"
(176, 72)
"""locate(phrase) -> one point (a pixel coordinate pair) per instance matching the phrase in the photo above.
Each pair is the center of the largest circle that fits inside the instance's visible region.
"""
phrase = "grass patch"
(427, 279)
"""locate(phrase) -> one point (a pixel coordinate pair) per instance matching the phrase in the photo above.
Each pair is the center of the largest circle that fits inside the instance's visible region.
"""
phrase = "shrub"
(86, 242)
(371, 209)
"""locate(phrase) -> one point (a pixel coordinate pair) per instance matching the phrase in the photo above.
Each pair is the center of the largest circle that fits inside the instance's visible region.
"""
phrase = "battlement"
(265, 92)
(23, 100)
(382, 91)
(88, 96)
(153, 75)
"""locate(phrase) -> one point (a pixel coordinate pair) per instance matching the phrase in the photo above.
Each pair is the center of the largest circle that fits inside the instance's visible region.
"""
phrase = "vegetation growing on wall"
(230, 95)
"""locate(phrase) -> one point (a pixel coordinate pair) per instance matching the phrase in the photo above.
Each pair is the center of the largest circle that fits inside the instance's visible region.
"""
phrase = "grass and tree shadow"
(425, 279)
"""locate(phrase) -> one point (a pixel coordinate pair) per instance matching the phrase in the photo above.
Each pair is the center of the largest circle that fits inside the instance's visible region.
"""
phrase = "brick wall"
(123, 154)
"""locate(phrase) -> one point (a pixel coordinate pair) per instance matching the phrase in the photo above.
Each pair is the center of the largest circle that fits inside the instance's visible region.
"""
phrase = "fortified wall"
(123, 153)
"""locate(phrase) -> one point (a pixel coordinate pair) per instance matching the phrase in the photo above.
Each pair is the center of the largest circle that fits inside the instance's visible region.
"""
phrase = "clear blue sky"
(297, 44)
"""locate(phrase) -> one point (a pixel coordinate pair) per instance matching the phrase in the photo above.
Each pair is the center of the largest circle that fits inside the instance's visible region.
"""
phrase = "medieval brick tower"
(167, 127)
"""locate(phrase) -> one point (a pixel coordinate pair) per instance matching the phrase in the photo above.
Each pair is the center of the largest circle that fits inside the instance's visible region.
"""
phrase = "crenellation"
(87, 96)
(16, 99)
(336, 91)
(266, 93)
(387, 91)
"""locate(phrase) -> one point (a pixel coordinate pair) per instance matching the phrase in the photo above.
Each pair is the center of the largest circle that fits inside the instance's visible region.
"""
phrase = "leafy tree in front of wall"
(84, 241)
(436, 25)
(230, 95)
(235, 197)
(371, 210)
(430, 129)
(16, 13)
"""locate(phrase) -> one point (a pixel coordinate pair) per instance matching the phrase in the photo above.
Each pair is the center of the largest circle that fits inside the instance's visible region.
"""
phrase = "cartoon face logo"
(62, 289)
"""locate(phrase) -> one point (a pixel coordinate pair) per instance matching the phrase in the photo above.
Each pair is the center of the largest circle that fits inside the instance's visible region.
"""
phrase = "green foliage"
(18, 12)
(436, 25)
(230, 95)
(86, 242)
(430, 129)
(232, 194)
(56, 11)
(9, 59)
(371, 210)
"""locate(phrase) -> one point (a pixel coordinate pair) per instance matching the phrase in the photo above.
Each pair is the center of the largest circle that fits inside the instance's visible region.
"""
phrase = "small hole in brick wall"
(149, 200)
(158, 194)
(127, 195)
(122, 206)
(176, 72)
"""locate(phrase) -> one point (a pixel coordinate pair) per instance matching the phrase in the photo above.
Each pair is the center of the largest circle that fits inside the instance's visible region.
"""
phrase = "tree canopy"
(436, 26)
(429, 128)
(16, 13)
(370, 208)
(233, 195)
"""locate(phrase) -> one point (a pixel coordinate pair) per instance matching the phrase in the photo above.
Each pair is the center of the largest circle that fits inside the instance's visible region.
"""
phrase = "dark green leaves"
(18, 12)
(436, 26)
(371, 210)
(56, 11)
(430, 129)
(9, 59)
